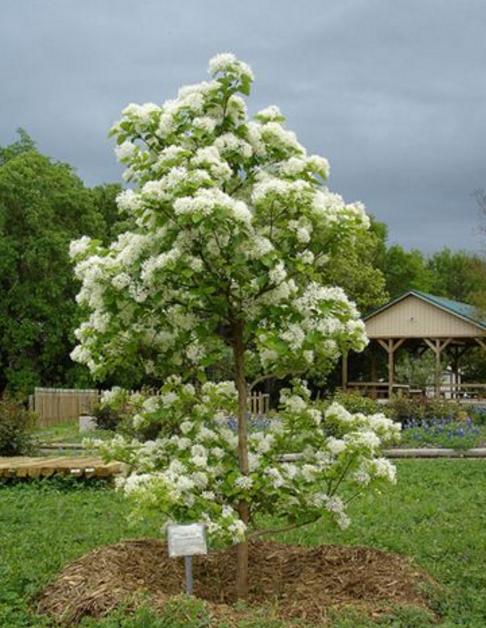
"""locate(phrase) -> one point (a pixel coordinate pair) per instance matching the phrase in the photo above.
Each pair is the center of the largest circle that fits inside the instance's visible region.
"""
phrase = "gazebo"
(421, 321)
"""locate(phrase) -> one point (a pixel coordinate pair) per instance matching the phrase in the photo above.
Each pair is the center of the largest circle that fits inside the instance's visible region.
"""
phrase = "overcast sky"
(392, 93)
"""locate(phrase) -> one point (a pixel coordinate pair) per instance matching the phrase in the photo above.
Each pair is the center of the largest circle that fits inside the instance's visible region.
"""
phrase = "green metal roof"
(463, 310)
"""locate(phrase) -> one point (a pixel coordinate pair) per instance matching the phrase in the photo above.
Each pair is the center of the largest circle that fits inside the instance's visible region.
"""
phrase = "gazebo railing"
(463, 391)
(456, 391)
(378, 390)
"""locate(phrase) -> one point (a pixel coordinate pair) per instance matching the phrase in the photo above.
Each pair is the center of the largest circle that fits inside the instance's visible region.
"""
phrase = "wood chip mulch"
(293, 581)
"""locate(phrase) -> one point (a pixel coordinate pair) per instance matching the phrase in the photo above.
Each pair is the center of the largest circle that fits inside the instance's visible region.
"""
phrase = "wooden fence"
(55, 406)
(259, 404)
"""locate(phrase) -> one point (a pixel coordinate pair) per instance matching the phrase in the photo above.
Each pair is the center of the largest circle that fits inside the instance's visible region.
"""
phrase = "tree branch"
(264, 378)
(285, 529)
(342, 476)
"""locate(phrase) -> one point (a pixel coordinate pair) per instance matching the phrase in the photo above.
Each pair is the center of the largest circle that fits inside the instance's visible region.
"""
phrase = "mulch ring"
(296, 582)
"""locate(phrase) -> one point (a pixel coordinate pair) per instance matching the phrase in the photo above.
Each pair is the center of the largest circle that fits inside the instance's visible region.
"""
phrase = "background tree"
(24, 144)
(457, 275)
(461, 276)
(405, 270)
(43, 205)
(104, 199)
(416, 371)
(357, 270)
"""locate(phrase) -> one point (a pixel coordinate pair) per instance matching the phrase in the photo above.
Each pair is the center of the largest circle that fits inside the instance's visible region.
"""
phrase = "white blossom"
(244, 482)
(227, 62)
(269, 114)
(126, 151)
(78, 248)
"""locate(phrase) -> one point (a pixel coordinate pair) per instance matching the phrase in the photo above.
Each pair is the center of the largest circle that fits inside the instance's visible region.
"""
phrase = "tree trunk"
(243, 509)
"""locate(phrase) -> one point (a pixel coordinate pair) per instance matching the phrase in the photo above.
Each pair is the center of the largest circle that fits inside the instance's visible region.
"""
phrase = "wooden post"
(438, 347)
(457, 351)
(374, 365)
(390, 347)
(481, 342)
(344, 374)
(455, 372)
(374, 371)
(391, 367)
(438, 368)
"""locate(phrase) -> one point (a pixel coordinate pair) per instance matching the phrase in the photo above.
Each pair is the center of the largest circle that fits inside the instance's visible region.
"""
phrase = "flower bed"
(442, 433)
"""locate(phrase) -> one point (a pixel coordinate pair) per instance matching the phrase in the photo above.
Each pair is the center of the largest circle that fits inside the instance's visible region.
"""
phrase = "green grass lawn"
(63, 433)
(437, 514)
(67, 433)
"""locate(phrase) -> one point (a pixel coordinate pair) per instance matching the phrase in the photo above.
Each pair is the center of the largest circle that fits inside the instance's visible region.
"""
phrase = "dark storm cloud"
(393, 93)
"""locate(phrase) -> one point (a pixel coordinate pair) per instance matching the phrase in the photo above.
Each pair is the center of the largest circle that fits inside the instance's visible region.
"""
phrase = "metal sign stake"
(189, 574)
(187, 540)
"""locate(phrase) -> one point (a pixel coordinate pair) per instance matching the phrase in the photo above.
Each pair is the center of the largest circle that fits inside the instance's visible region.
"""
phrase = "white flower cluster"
(227, 63)
(126, 151)
(320, 321)
(231, 205)
(79, 248)
(205, 202)
(270, 114)
(210, 158)
(191, 473)
(269, 187)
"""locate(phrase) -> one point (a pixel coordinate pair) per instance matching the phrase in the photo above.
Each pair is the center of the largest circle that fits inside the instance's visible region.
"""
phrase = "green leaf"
(201, 377)
(245, 87)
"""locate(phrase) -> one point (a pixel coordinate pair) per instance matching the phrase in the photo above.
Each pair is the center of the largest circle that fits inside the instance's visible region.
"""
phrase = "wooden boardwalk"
(22, 467)
(91, 467)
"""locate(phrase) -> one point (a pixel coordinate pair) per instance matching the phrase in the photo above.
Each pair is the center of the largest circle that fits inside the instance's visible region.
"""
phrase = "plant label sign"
(186, 539)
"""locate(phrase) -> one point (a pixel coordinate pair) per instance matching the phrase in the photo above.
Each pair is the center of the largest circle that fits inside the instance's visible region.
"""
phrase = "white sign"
(186, 539)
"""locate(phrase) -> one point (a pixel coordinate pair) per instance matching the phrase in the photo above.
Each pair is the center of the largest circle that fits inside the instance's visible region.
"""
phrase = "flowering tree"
(231, 227)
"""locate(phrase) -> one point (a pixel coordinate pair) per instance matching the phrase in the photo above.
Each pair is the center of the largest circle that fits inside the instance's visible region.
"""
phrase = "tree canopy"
(358, 269)
(232, 228)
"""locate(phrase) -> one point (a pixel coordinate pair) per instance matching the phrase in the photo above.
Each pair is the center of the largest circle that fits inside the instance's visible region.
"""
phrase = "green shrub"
(356, 402)
(423, 410)
(118, 408)
(16, 423)
(417, 372)
(478, 414)
(107, 418)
